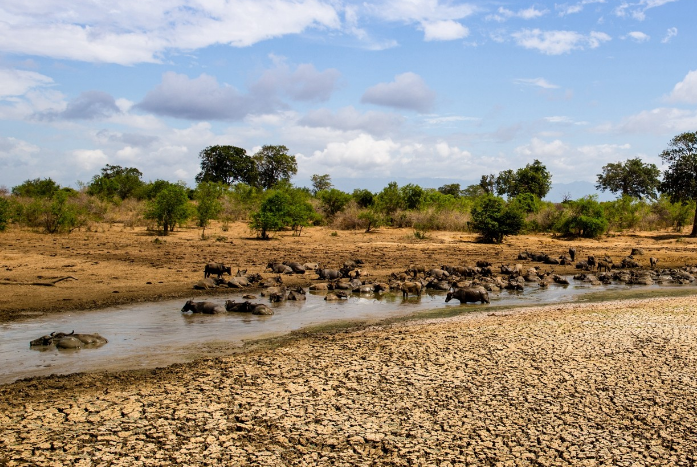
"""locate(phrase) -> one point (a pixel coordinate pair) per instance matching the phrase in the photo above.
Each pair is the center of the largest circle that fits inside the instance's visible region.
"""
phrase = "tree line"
(257, 188)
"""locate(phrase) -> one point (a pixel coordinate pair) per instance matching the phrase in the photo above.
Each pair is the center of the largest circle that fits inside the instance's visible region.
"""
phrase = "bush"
(582, 218)
(4, 213)
(494, 219)
(333, 201)
(170, 207)
(281, 209)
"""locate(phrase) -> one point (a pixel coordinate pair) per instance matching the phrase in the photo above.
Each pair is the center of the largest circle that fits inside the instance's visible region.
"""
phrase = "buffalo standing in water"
(469, 295)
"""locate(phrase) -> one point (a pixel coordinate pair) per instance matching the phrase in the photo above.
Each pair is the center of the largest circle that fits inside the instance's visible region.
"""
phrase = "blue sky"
(367, 92)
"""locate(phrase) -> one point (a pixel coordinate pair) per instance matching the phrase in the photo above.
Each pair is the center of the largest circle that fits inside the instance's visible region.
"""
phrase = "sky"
(368, 92)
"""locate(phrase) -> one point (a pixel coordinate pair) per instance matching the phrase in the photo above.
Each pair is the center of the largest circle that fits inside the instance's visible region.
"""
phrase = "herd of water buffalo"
(467, 284)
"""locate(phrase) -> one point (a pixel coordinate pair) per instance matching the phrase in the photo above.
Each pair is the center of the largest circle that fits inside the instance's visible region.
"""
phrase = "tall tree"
(533, 178)
(630, 178)
(321, 183)
(680, 179)
(452, 189)
(227, 165)
(208, 205)
(274, 165)
(116, 181)
(169, 207)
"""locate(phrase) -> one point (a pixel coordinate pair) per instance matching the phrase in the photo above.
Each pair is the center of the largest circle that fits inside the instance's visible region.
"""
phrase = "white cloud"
(18, 82)
(350, 119)
(408, 91)
(638, 10)
(638, 36)
(420, 10)
(504, 14)
(538, 148)
(558, 42)
(445, 30)
(90, 159)
(661, 121)
(686, 90)
(539, 82)
(569, 9)
(564, 120)
(130, 31)
(304, 83)
(670, 34)
(16, 153)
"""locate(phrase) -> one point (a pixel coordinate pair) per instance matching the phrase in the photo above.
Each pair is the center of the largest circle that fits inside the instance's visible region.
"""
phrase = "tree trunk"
(694, 226)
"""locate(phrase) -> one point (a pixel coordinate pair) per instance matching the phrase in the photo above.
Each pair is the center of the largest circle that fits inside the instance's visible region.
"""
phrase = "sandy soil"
(603, 384)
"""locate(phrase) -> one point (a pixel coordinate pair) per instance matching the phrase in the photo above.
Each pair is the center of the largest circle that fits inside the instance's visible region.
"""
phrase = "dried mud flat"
(609, 383)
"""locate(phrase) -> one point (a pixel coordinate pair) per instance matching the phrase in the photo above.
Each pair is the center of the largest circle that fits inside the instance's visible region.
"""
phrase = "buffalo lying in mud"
(247, 307)
(207, 308)
(69, 341)
(469, 295)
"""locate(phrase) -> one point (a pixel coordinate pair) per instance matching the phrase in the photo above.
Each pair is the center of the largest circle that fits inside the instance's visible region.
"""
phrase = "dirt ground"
(610, 383)
(116, 265)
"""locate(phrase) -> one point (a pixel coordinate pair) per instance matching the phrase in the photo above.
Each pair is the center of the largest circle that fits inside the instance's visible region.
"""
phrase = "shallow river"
(149, 335)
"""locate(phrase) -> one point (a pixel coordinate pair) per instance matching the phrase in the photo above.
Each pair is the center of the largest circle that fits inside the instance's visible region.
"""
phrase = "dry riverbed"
(611, 383)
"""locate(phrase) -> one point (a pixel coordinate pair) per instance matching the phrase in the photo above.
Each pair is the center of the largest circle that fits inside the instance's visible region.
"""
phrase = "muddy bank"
(114, 265)
(601, 384)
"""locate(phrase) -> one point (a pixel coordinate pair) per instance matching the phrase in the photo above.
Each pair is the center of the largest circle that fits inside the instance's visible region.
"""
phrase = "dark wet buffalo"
(70, 341)
(247, 307)
(296, 267)
(216, 268)
(279, 268)
(329, 274)
(469, 295)
(207, 308)
(572, 254)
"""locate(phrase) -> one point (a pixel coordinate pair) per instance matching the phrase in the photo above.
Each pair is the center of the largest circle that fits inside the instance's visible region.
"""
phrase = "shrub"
(494, 219)
(4, 213)
(170, 207)
(333, 201)
(583, 218)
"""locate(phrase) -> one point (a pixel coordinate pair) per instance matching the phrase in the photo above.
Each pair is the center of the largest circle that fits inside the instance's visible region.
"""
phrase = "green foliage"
(320, 183)
(208, 205)
(494, 219)
(528, 203)
(625, 213)
(227, 165)
(582, 218)
(533, 178)
(37, 188)
(281, 209)
(56, 214)
(4, 213)
(372, 219)
(116, 182)
(364, 198)
(631, 178)
(333, 200)
(389, 200)
(412, 196)
(452, 189)
(274, 165)
(680, 178)
(169, 207)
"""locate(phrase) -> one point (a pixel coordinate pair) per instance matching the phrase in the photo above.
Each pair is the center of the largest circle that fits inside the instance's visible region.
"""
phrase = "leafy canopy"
(680, 178)
(630, 178)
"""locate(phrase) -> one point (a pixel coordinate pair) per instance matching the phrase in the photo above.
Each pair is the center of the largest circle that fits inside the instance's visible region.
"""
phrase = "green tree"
(505, 182)
(37, 188)
(372, 219)
(533, 178)
(630, 178)
(116, 181)
(680, 179)
(363, 198)
(452, 189)
(389, 199)
(333, 201)
(274, 164)
(321, 183)
(488, 183)
(4, 213)
(208, 206)
(55, 214)
(281, 209)
(169, 207)
(473, 191)
(412, 196)
(494, 219)
(583, 217)
(227, 165)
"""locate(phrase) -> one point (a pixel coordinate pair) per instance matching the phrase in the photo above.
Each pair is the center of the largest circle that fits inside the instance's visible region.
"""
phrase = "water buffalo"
(247, 307)
(483, 264)
(208, 308)
(216, 268)
(70, 341)
(413, 288)
(206, 284)
(297, 293)
(414, 270)
(279, 268)
(438, 274)
(469, 295)
(602, 264)
(328, 274)
(591, 262)
(296, 267)
(333, 296)
(572, 254)
(653, 262)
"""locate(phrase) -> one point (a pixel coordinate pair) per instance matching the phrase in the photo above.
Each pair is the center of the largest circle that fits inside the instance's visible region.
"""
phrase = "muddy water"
(157, 334)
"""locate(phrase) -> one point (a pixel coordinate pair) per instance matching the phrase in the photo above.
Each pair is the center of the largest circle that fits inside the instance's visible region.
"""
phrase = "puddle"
(149, 335)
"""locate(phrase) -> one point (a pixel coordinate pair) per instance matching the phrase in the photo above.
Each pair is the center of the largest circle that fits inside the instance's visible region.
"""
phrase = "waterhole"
(149, 335)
